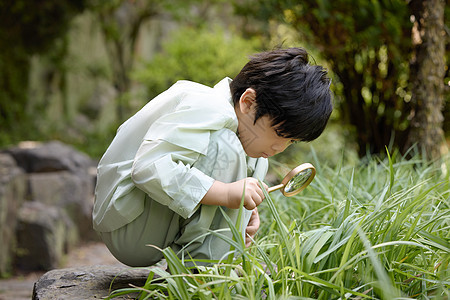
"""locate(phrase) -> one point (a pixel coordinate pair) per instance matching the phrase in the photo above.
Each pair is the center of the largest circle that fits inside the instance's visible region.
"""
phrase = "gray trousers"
(161, 227)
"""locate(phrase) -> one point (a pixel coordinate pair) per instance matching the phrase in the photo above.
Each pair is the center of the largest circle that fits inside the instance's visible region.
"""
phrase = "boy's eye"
(294, 141)
(278, 133)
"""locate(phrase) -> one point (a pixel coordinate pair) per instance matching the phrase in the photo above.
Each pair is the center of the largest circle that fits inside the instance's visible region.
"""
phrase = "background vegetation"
(75, 69)
(369, 226)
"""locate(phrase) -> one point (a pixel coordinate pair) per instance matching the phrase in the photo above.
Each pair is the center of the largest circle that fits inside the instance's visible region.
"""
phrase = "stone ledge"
(89, 282)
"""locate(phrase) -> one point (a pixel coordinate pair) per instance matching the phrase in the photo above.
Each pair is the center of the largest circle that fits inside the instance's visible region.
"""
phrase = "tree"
(368, 46)
(26, 28)
(427, 76)
(121, 21)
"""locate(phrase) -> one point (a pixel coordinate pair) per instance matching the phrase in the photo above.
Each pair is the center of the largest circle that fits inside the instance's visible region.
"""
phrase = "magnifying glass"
(296, 180)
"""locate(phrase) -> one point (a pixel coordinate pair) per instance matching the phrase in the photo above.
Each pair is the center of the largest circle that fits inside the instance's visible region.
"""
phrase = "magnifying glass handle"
(275, 187)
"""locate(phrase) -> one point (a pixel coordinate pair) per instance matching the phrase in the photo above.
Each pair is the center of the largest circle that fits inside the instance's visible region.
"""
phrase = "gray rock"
(44, 234)
(68, 191)
(60, 189)
(52, 186)
(12, 195)
(60, 175)
(53, 156)
(90, 282)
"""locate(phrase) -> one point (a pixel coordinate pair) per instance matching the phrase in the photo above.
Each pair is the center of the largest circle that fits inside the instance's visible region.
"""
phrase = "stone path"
(20, 287)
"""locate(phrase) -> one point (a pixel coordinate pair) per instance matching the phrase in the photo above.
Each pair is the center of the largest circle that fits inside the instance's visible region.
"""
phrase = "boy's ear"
(247, 102)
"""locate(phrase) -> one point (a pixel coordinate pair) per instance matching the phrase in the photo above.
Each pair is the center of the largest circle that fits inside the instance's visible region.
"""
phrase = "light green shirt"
(153, 153)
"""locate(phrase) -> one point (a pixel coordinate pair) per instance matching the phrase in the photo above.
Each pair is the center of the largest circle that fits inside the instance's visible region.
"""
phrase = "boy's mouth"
(265, 155)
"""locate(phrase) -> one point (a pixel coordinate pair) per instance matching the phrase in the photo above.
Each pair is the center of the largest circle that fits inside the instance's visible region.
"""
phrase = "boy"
(195, 148)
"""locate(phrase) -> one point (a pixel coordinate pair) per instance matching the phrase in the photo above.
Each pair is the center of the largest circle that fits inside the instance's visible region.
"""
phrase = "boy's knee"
(145, 258)
(129, 254)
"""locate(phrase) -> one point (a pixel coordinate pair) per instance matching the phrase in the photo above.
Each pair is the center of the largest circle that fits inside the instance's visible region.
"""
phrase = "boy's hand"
(253, 193)
(252, 227)
(230, 194)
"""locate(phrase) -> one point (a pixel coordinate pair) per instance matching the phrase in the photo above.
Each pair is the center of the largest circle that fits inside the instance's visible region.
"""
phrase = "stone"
(35, 157)
(12, 195)
(69, 192)
(61, 176)
(46, 201)
(88, 282)
(44, 234)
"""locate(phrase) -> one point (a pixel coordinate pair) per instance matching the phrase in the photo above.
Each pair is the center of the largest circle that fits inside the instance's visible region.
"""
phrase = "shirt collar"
(223, 87)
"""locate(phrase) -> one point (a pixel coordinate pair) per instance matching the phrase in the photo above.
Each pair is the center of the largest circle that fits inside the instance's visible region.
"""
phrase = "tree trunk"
(427, 77)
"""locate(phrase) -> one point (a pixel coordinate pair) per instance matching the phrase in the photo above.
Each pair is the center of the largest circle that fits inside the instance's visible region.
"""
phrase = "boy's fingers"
(252, 227)
(252, 231)
(248, 238)
(254, 220)
(250, 204)
(254, 194)
(266, 187)
(258, 198)
(260, 193)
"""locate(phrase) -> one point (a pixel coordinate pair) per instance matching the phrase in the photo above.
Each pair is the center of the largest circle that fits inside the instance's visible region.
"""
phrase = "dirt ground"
(20, 286)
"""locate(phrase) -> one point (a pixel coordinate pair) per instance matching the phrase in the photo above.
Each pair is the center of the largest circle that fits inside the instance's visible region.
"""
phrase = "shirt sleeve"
(163, 171)
(162, 167)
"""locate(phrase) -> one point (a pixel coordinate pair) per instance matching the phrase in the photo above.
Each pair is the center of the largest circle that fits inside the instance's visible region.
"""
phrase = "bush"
(201, 55)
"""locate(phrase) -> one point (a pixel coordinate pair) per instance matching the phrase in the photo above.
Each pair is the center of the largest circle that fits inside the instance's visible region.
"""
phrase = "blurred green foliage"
(365, 44)
(33, 26)
(201, 55)
(368, 46)
(27, 28)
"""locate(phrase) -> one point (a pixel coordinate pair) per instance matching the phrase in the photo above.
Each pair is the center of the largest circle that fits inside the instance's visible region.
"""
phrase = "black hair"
(293, 93)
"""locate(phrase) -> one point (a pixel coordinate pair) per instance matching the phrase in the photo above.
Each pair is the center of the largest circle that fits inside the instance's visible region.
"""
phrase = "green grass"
(376, 231)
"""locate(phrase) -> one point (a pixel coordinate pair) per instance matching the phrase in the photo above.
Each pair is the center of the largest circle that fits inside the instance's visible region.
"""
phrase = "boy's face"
(258, 139)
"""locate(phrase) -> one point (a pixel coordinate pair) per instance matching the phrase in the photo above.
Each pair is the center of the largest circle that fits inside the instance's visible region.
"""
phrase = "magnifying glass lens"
(298, 181)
